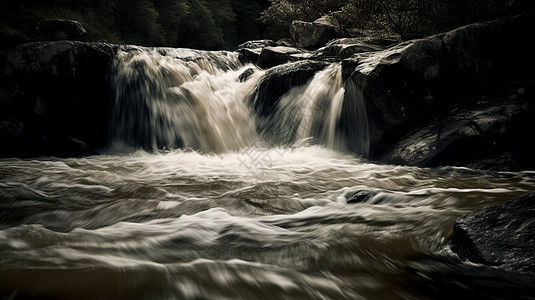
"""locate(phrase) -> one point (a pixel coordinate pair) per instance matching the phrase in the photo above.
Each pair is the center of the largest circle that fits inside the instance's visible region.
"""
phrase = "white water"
(164, 102)
(233, 219)
(199, 102)
(311, 111)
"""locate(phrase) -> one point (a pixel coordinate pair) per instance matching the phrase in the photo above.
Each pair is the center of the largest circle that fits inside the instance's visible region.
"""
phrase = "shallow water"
(260, 223)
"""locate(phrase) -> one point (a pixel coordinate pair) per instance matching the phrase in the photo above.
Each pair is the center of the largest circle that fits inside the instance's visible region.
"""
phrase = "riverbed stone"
(502, 236)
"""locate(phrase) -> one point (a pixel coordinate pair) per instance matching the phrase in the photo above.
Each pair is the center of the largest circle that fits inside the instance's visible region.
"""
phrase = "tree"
(171, 13)
(137, 22)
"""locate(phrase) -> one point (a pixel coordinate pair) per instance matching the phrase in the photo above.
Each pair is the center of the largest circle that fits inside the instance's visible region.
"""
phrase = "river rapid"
(212, 210)
(256, 224)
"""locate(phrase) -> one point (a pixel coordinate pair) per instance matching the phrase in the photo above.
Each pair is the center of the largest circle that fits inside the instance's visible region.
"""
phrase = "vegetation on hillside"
(203, 24)
(404, 18)
(222, 24)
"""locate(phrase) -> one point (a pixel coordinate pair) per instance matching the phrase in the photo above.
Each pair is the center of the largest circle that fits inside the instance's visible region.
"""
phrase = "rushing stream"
(216, 212)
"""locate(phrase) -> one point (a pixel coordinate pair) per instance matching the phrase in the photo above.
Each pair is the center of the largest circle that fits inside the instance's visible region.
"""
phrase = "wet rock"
(246, 74)
(257, 44)
(60, 29)
(502, 236)
(360, 196)
(391, 89)
(274, 56)
(346, 50)
(479, 137)
(54, 98)
(247, 55)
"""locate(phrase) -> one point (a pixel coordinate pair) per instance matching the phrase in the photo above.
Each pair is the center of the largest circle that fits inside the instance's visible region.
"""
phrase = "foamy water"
(259, 223)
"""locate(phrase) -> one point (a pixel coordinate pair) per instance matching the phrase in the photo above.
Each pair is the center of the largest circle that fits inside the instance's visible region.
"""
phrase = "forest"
(223, 24)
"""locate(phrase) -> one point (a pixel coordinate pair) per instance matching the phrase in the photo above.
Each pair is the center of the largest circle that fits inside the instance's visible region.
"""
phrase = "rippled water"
(255, 224)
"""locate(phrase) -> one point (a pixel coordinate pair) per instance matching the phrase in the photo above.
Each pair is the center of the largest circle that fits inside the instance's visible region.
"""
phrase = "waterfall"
(201, 100)
(310, 111)
(195, 101)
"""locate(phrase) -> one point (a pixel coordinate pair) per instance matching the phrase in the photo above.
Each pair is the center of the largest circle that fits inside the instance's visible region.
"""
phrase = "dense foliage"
(206, 24)
(220, 24)
(404, 18)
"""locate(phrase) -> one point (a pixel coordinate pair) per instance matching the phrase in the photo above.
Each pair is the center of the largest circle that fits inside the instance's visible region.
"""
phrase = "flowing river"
(216, 211)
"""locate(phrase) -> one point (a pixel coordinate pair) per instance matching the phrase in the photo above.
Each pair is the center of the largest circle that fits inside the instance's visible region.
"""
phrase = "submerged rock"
(502, 236)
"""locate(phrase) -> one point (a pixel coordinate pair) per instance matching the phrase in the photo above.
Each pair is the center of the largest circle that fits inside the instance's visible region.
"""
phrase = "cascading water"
(233, 219)
(201, 103)
(310, 111)
(165, 102)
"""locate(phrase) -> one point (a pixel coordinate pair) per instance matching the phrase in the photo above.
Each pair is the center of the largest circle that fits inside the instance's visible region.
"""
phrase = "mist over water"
(190, 202)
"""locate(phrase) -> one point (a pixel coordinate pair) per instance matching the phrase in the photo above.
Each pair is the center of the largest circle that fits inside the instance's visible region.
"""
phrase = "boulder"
(54, 98)
(312, 35)
(60, 29)
(391, 89)
(274, 56)
(502, 236)
(247, 55)
(429, 90)
(257, 44)
(480, 137)
(346, 50)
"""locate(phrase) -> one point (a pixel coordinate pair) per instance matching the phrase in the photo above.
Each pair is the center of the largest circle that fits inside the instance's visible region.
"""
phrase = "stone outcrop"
(312, 35)
(54, 98)
(60, 29)
(502, 236)
(425, 100)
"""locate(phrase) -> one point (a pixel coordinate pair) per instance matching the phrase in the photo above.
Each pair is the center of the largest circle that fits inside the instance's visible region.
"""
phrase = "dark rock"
(360, 196)
(246, 74)
(54, 98)
(247, 55)
(281, 79)
(59, 29)
(376, 43)
(346, 50)
(257, 44)
(429, 89)
(478, 137)
(274, 56)
(502, 236)
(312, 35)
(10, 39)
(391, 89)
(287, 42)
